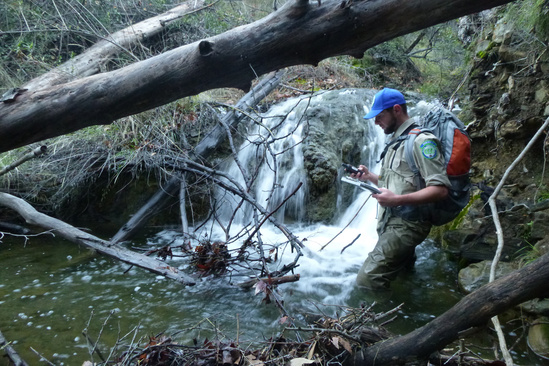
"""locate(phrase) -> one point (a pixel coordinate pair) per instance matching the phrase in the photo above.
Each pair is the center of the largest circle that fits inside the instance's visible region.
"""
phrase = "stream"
(52, 290)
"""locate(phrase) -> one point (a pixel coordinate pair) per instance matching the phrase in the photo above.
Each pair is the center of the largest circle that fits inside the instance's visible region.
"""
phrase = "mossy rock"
(538, 337)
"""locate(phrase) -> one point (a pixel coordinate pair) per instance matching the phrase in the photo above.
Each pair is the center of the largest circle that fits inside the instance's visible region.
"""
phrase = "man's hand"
(387, 198)
(365, 175)
(426, 195)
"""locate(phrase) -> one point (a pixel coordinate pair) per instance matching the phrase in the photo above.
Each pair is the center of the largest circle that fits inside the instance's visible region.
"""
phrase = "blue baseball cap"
(385, 98)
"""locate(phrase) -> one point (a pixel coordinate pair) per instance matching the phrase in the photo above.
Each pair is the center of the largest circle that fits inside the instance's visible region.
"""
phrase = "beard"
(391, 126)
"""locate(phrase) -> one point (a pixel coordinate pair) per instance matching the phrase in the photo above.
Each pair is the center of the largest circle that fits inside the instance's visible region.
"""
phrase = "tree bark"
(75, 235)
(301, 32)
(473, 310)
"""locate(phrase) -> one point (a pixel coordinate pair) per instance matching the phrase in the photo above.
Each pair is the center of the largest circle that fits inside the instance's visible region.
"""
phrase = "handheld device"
(360, 184)
(350, 169)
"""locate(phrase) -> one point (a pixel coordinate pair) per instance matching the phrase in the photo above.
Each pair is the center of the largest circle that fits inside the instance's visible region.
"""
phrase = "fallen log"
(10, 352)
(300, 32)
(75, 235)
(148, 210)
(475, 309)
(201, 152)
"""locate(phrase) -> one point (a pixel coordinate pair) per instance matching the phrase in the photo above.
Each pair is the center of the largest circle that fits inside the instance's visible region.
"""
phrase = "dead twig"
(270, 281)
(499, 234)
(349, 223)
(42, 358)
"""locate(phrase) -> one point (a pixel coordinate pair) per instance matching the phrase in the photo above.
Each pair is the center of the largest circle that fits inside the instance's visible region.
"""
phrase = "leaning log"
(301, 32)
(36, 152)
(94, 59)
(475, 309)
(75, 235)
(201, 153)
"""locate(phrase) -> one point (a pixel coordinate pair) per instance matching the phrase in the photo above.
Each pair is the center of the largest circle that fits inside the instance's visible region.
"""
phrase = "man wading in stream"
(398, 237)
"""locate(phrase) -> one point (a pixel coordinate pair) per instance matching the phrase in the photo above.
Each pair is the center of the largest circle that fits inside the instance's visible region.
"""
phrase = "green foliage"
(486, 51)
(459, 219)
(431, 61)
(530, 15)
(543, 195)
(441, 58)
(527, 231)
(442, 64)
(542, 23)
(482, 54)
(376, 59)
(36, 36)
(527, 254)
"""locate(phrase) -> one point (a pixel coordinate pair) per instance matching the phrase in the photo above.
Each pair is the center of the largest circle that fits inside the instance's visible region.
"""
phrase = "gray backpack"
(456, 148)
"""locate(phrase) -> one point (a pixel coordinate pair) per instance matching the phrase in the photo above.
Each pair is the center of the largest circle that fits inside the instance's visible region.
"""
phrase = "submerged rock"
(476, 275)
(538, 337)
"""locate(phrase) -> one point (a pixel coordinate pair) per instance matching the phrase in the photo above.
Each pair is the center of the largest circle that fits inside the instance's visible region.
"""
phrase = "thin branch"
(75, 235)
(275, 210)
(31, 155)
(499, 233)
(349, 223)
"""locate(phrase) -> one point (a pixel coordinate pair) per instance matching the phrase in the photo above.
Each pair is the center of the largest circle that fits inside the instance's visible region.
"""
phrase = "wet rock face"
(538, 337)
(509, 101)
(476, 239)
(477, 275)
(336, 132)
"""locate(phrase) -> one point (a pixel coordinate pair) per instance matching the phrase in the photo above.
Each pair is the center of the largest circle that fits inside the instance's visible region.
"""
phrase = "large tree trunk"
(473, 310)
(301, 32)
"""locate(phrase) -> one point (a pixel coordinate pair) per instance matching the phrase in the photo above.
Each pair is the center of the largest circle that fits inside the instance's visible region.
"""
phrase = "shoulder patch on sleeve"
(429, 149)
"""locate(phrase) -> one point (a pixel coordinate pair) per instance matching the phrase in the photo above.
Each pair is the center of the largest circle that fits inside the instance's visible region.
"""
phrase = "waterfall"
(279, 168)
(329, 264)
(61, 285)
(333, 253)
(273, 154)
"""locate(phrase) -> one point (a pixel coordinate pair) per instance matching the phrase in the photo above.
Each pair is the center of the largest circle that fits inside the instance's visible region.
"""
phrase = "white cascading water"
(289, 166)
(329, 263)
